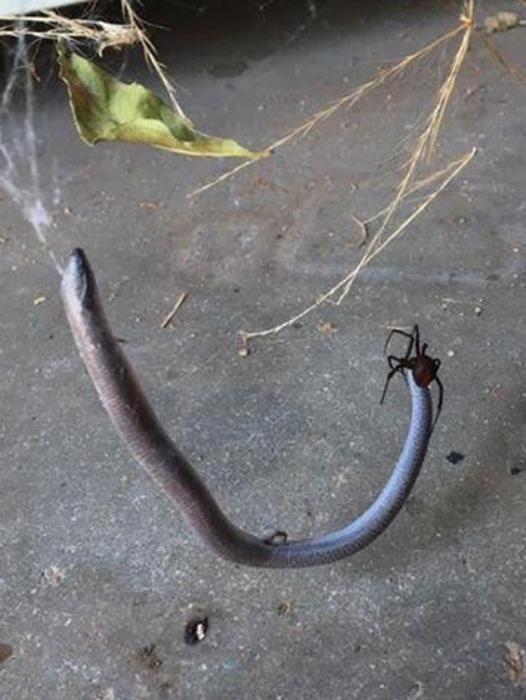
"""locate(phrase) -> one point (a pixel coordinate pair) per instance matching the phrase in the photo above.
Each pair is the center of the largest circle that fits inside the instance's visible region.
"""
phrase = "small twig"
(364, 229)
(448, 300)
(477, 305)
(179, 302)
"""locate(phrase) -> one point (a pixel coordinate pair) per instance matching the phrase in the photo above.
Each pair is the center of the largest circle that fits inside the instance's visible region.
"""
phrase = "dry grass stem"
(150, 54)
(344, 285)
(426, 142)
(349, 100)
(453, 170)
(424, 148)
(415, 187)
(50, 25)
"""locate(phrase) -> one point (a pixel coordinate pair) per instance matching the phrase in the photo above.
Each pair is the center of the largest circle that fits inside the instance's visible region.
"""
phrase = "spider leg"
(393, 361)
(414, 342)
(416, 338)
(398, 368)
(440, 402)
(400, 363)
(396, 331)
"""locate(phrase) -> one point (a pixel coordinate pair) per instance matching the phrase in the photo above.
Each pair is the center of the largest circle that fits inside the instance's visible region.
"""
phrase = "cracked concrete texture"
(98, 574)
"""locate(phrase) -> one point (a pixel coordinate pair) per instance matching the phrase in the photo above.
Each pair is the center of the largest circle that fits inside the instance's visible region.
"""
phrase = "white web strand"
(18, 148)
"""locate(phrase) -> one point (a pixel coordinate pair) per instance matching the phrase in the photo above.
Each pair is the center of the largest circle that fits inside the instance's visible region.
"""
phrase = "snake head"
(78, 281)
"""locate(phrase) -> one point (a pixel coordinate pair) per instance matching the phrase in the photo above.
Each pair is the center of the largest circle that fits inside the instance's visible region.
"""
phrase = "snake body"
(139, 428)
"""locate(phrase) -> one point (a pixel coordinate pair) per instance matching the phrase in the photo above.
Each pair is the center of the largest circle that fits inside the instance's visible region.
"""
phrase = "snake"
(127, 406)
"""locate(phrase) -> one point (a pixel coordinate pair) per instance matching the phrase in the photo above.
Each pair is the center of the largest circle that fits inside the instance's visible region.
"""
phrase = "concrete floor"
(98, 573)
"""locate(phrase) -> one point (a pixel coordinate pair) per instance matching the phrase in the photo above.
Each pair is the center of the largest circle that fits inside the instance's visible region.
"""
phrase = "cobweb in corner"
(20, 176)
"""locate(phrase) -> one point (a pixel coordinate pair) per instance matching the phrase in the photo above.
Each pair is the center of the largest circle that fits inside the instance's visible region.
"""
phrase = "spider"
(424, 368)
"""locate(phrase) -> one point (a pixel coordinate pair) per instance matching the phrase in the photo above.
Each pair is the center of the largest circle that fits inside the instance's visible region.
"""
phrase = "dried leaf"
(52, 576)
(501, 22)
(327, 328)
(149, 655)
(106, 109)
(285, 608)
(6, 651)
(515, 663)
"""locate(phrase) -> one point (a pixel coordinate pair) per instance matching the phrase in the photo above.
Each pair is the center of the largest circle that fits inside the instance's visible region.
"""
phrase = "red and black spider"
(424, 368)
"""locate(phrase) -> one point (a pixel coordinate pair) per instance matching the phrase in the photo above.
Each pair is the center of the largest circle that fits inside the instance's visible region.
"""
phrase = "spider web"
(20, 176)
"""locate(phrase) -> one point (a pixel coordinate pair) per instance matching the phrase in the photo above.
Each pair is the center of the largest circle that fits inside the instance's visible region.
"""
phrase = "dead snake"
(133, 417)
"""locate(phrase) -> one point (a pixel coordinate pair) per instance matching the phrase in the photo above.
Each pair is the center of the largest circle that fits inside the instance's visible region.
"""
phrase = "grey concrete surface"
(98, 573)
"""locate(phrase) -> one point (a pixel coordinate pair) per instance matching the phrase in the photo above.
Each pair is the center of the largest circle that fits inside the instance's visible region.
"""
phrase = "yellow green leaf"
(105, 109)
